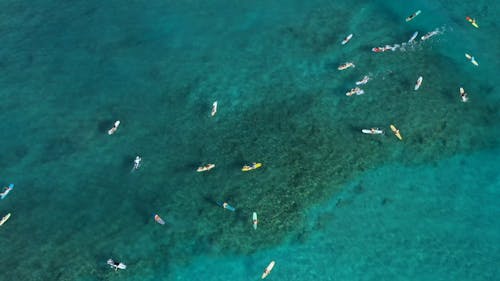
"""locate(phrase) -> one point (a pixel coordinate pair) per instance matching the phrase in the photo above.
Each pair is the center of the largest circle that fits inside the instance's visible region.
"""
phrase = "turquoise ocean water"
(333, 203)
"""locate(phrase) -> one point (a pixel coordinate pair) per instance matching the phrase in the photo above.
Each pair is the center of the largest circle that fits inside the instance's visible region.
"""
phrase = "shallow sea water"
(333, 203)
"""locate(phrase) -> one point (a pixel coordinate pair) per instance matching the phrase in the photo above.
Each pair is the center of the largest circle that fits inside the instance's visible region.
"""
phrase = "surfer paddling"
(346, 66)
(255, 221)
(386, 48)
(472, 59)
(472, 21)
(158, 219)
(347, 39)
(268, 269)
(463, 95)
(418, 83)
(226, 206)
(413, 37)
(137, 163)
(412, 16)
(358, 91)
(254, 166)
(373, 131)
(378, 49)
(205, 168)
(116, 265)
(214, 109)
(4, 219)
(115, 127)
(363, 81)
(429, 35)
(6, 190)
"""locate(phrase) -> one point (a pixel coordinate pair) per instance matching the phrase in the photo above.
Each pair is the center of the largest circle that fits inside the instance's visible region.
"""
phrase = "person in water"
(115, 127)
(5, 190)
(116, 265)
(226, 206)
(214, 109)
(207, 167)
(473, 60)
(463, 95)
(137, 162)
(364, 80)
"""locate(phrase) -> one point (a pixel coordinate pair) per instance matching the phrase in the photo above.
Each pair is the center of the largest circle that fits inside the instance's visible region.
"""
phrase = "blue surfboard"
(158, 219)
(228, 207)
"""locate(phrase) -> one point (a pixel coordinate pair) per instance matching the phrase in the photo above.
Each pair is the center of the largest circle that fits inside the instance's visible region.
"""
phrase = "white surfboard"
(4, 219)
(214, 108)
(419, 82)
(115, 127)
(413, 37)
(255, 221)
(463, 95)
(376, 131)
(268, 269)
(347, 39)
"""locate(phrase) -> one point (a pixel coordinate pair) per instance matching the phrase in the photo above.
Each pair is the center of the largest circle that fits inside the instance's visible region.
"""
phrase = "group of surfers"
(137, 163)
(255, 165)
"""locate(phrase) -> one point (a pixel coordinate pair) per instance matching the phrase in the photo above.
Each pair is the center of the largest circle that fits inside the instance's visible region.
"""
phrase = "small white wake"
(411, 43)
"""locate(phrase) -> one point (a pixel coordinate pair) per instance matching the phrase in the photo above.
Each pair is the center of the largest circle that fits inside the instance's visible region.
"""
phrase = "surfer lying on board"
(214, 109)
(207, 167)
(346, 65)
(412, 16)
(463, 95)
(372, 131)
(429, 35)
(115, 127)
(472, 59)
(358, 91)
(116, 265)
(363, 81)
(347, 39)
(472, 21)
(158, 219)
(6, 190)
(226, 206)
(255, 221)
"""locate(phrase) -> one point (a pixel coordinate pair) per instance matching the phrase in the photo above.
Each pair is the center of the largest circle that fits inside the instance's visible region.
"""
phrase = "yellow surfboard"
(396, 132)
(254, 166)
(472, 21)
